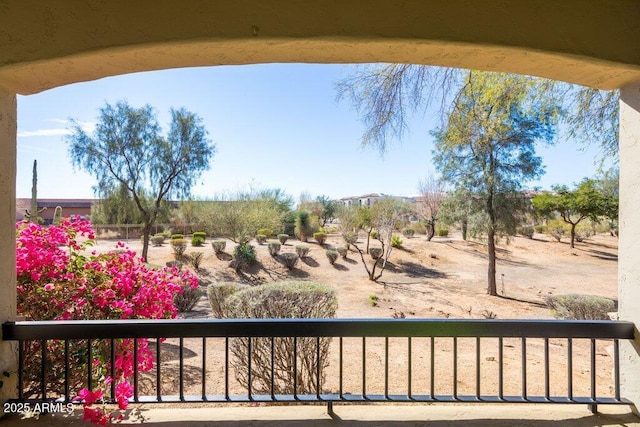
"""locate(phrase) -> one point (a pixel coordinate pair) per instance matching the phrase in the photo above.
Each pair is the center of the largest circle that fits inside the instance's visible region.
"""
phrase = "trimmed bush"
(157, 240)
(375, 252)
(442, 232)
(177, 236)
(556, 229)
(343, 251)
(261, 238)
(274, 247)
(320, 237)
(281, 300)
(526, 231)
(302, 250)
(408, 232)
(218, 246)
(332, 256)
(200, 234)
(195, 259)
(583, 232)
(350, 238)
(267, 232)
(197, 241)
(374, 234)
(177, 264)
(540, 229)
(188, 299)
(396, 241)
(178, 246)
(217, 293)
(283, 238)
(244, 255)
(580, 307)
(289, 260)
(419, 228)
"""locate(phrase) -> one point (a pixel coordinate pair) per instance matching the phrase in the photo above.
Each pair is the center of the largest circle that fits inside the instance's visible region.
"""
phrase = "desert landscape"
(443, 278)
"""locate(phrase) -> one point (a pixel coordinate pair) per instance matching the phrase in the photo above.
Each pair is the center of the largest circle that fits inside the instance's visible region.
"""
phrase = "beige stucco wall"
(629, 243)
(8, 356)
(48, 44)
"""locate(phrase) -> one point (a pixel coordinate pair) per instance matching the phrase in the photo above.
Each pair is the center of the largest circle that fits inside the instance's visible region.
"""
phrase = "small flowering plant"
(59, 278)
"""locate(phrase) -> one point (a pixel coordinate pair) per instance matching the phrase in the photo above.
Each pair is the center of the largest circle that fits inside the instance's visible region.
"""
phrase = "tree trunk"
(492, 288)
(431, 231)
(464, 230)
(573, 234)
(368, 238)
(146, 231)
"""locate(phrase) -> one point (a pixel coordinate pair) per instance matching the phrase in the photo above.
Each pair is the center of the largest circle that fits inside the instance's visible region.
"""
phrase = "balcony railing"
(362, 360)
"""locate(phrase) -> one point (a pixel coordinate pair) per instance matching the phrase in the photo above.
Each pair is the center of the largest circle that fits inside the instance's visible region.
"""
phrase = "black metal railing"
(368, 360)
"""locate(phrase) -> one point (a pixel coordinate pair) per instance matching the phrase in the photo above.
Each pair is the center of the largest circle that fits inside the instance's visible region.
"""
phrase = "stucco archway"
(44, 45)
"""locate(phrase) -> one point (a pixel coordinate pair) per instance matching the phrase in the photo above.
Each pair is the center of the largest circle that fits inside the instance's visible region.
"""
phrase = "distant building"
(368, 200)
(70, 207)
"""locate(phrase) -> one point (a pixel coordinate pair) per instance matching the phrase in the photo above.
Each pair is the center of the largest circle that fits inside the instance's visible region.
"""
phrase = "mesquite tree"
(127, 149)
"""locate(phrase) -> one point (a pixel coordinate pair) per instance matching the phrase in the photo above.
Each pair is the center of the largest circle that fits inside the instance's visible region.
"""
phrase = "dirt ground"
(444, 278)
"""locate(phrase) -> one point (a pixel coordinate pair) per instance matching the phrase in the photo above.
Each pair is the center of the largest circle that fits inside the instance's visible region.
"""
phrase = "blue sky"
(274, 126)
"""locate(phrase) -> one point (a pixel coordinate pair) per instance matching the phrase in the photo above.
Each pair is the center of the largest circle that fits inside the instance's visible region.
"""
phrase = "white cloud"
(85, 126)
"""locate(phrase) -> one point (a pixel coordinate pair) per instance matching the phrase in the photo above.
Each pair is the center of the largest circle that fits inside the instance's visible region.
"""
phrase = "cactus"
(31, 215)
(57, 216)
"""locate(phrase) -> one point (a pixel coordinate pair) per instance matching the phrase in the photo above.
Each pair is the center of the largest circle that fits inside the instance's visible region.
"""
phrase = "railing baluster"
(364, 367)
(89, 366)
(500, 368)
(386, 368)
(295, 368)
(181, 367)
(478, 368)
(21, 345)
(158, 371)
(546, 369)
(340, 362)
(433, 369)
(112, 369)
(135, 371)
(318, 368)
(616, 368)
(67, 398)
(226, 368)
(570, 368)
(273, 368)
(455, 368)
(593, 369)
(249, 376)
(409, 363)
(204, 368)
(43, 372)
(524, 367)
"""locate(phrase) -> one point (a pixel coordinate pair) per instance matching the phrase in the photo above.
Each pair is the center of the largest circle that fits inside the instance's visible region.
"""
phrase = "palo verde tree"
(432, 194)
(487, 147)
(128, 149)
(573, 206)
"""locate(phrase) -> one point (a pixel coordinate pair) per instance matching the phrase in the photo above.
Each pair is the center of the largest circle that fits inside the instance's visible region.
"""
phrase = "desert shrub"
(244, 255)
(201, 234)
(396, 241)
(302, 250)
(178, 246)
(195, 259)
(373, 300)
(526, 231)
(267, 232)
(157, 240)
(343, 251)
(320, 237)
(283, 238)
(540, 228)
(375, 252)
(556, 229)
(419, 228)
(261, 238)
(303, 225)
(289, 260)
(274, 247)
(176, 264)
(580, 307)
(197, 241)
(331, 229)
(350, 238)
(217, 293)
(177, 236)
(408, 232)
(188, 299)
(442, 232)
(281, 300)
(218, 246)
(583, 232)
(332, 255)
(374, 234)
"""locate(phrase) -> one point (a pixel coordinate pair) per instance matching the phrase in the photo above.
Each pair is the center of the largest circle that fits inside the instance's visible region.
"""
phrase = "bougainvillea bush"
(59, 278)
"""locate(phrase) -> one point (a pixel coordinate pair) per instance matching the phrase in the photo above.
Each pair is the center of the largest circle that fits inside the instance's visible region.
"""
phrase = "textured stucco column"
(8, 355)
(629, 262)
